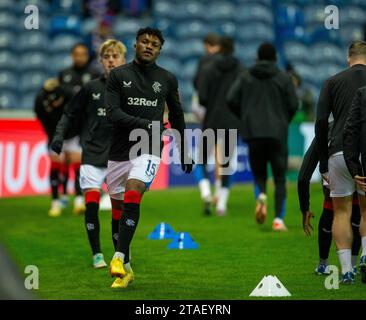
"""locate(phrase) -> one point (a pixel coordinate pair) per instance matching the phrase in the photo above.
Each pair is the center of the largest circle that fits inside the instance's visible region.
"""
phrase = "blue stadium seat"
(65, 24)
(166, 26)
(186, 90)
(191, 10)
(327, 52)
(8, 99)
(32, 81)
(169, 63)
(219, 11)
(253, 12)
(8, 60)
(314, 14)
(191, 29)
(67, 6)
(256, 31)
(351, 32)
(88, 25)
(267, 3)
(247, 52)
(320, 34)
(289, 16)
(60, 61)
(8, 20)
(34, 40)
(64, 42)
(37, 61)
(8, 80)
(188, 69)
(165, 9)
(126, 27)
(7, 6)
(28, 99)
(293, 34)
(171, 47)
(7, 40)
(296, 52)
(190, 49)
(306, 71)
(351, 14)
(226, 28)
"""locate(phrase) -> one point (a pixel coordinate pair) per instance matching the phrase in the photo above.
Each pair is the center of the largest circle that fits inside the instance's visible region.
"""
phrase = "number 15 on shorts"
(151, 168)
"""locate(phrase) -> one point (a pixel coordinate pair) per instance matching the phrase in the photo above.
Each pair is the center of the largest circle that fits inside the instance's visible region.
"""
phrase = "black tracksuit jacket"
(336, 97)
(47, 115)
(86, 111)
(134, 94)
(354, 135)
(265, 101)
(73, 78)
(214, 82)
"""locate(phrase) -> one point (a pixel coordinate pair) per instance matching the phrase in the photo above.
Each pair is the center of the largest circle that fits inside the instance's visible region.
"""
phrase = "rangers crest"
(156, 86)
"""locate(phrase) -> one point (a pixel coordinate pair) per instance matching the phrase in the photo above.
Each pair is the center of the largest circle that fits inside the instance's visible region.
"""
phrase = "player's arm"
(351, 135)
(307, 169)
(321, 126)
(70, 118)
(177, 122)
(113, 102)
(40, 113)
(291, 99)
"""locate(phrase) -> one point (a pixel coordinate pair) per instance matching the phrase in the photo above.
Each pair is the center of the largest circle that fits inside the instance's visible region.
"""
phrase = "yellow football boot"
(116, 268)
(123, 282)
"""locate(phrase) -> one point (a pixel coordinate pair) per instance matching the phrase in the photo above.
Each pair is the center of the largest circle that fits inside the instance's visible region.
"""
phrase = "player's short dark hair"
(212, 39)
(357, 48)
(79, 44)
(267, 51)
(151, 31)
(226, 45)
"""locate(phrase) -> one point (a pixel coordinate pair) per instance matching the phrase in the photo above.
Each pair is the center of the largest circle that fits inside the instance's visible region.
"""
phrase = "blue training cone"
(162, 231)
(182, 240)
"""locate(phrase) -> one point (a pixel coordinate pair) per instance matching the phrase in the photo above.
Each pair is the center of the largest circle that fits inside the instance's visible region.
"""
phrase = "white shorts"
(72, 145)
(143, 168)
(341, 182)
(92, 177)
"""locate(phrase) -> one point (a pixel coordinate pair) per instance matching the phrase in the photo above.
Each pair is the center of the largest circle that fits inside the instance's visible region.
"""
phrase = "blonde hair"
(112, 43)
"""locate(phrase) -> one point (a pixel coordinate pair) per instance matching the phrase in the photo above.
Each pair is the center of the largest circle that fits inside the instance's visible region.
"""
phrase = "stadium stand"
(295, 27)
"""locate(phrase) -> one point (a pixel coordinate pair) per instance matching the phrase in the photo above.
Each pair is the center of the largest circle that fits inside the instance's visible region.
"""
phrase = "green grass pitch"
(233, 256)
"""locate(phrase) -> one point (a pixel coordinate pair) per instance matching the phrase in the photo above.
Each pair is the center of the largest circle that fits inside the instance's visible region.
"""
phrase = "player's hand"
(187, 163)
(361, 182)
(56, 145)
(325, 177)
(306, 217)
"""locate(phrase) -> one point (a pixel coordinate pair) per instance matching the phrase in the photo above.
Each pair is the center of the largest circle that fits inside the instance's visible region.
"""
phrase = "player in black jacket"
(49, 106)
(354, 146)
(87, 111)
(136, 95)
(73, 78)
(265, 101)
(336, 98)
(215, 80)
(211, 44)
(308, 166)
